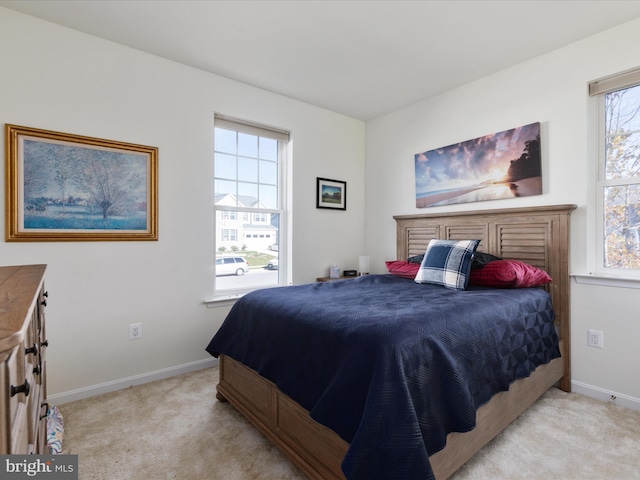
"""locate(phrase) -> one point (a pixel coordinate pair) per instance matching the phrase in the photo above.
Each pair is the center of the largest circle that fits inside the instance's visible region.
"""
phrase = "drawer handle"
(30, 350)
(37, 369)
(43, 303)
(24, 388)
(45, 343)
(46, 411)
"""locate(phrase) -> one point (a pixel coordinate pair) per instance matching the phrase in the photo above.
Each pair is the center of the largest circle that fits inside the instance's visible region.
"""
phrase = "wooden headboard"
(536, 235)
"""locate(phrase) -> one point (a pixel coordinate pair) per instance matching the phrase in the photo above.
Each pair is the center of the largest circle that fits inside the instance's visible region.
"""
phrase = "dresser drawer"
(15, 369)
(20, 431)
(13, 377)
(5, 418)
(33, 412)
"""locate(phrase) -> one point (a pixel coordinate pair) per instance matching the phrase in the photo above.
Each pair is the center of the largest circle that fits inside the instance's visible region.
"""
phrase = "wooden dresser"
(23, 343)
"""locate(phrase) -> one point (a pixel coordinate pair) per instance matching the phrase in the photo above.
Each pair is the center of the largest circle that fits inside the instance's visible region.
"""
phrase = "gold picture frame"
(65, 187)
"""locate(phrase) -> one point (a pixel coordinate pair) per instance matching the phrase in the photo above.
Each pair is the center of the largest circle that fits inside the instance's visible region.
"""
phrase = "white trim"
(606, 280)
(223, 300)
(127, 382)
(606, 395)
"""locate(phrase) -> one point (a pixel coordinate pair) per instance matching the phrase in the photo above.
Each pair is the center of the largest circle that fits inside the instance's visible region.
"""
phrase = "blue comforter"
(390, 365)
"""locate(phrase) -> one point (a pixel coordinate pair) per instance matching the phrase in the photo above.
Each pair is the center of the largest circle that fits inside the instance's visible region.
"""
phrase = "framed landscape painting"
(501, 165)
(64, 187)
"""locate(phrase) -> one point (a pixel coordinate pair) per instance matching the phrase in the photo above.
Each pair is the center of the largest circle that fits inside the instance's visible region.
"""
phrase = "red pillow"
(508, 274)
(403, 269)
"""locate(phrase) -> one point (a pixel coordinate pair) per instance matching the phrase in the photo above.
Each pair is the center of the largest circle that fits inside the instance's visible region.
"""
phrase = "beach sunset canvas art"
(501, 165)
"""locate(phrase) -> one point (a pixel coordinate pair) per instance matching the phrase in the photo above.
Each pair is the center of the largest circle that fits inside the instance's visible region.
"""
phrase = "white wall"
(59, 79)
(551, 89)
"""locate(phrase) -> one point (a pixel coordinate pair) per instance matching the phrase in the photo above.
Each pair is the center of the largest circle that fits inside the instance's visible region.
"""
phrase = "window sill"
(223, 300)
(606, 280)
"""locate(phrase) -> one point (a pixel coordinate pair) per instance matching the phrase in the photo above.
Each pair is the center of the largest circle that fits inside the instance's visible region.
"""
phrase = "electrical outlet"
(135, 331)
(595, 338)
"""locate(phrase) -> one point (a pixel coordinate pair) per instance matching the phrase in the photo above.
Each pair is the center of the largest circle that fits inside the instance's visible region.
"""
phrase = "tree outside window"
(620, 179)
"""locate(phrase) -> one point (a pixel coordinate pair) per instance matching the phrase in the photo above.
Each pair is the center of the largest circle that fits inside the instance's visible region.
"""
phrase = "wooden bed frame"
(536, 235)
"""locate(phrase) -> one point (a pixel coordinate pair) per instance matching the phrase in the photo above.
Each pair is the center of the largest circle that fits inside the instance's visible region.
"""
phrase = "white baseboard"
(606, 395)
(115, 385)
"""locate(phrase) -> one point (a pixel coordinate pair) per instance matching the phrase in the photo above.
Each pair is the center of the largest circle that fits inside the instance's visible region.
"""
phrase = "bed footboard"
(312, 447)
(318, 451)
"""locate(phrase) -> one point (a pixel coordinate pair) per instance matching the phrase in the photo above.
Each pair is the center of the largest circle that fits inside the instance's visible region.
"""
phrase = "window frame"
(597, 254)
(243, 213)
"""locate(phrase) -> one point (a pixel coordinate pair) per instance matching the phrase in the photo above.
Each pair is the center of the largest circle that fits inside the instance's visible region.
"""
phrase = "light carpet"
(175, 428)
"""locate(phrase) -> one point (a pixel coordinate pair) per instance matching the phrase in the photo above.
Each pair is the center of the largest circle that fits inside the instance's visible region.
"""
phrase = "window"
(618, 180)
(249, 162)
(229, 235)
(229, 215)
(260, 217)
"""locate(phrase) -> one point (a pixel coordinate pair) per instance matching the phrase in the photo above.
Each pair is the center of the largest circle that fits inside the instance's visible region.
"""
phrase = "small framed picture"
(331, 194)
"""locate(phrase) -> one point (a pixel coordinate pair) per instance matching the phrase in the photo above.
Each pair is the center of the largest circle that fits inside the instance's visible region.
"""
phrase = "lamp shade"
(363, 264)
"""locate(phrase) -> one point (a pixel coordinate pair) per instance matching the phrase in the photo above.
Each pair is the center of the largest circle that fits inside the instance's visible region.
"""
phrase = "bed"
(401, 406)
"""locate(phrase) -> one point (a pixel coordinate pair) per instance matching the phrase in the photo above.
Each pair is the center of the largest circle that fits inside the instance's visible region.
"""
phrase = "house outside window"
(618, 177)
(249, 192)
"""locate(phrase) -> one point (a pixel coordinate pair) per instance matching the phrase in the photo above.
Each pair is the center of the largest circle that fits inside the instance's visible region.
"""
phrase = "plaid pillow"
(447, 263)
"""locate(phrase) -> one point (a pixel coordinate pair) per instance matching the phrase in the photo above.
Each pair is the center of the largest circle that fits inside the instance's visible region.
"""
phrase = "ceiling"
(359, 58)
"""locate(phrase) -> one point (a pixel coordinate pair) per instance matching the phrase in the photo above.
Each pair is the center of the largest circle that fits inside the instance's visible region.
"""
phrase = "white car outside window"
(231, 266)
